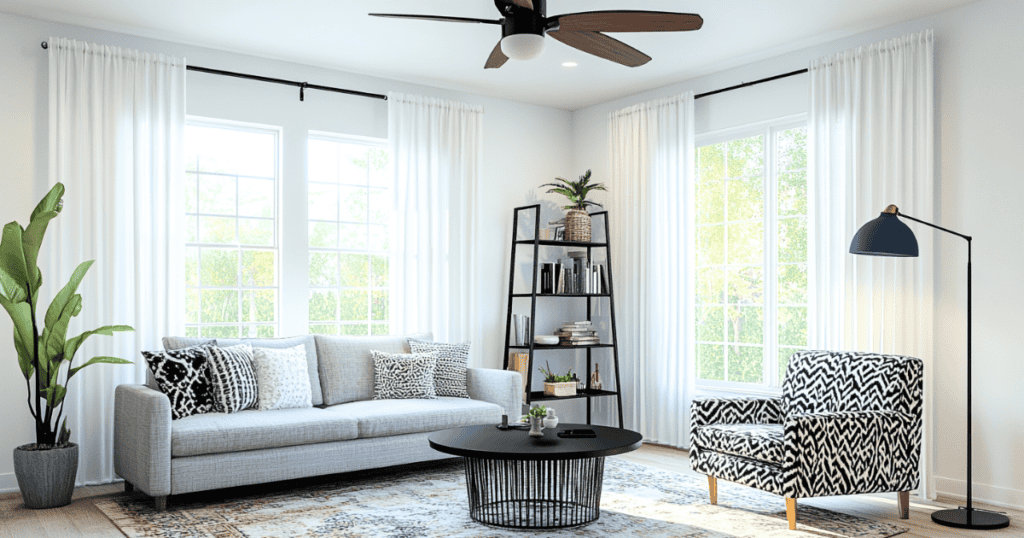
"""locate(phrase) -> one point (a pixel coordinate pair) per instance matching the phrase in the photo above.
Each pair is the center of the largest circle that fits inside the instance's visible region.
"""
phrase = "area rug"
(429, 500)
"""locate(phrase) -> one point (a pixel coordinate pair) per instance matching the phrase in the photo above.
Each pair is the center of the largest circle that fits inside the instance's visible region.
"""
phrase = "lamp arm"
(967, 237)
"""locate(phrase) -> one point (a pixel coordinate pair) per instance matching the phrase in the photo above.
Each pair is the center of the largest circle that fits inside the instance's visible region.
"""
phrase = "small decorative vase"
(46, 477)
(551, 421)
(536, 426)
(577, 225)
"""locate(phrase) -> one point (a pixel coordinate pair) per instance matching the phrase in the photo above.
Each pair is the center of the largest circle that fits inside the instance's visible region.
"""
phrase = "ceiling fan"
(524, 24)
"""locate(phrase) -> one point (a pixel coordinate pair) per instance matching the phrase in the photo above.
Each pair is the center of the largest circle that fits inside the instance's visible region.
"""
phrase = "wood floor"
(82, 518)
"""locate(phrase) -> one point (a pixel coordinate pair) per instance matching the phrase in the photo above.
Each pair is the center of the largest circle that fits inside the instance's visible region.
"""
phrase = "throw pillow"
(282, 378)
(232, 377)
(400, 376)
(181, 375)
(452, 363)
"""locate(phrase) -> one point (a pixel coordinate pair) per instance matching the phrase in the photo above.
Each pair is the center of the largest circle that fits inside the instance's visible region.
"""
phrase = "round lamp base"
(962, 518)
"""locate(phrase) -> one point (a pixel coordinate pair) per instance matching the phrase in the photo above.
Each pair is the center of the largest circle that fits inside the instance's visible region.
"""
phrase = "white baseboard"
(955, 488)
(8, 483)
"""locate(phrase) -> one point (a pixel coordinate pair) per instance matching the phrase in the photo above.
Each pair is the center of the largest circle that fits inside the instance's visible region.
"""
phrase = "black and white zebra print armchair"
(846, 423)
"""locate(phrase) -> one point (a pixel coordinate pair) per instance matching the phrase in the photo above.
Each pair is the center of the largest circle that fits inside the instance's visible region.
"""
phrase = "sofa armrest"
(142, 438)
(849, 453)
(502, 387)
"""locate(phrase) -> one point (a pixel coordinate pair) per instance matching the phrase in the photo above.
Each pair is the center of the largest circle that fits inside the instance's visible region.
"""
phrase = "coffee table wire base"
(541, 494)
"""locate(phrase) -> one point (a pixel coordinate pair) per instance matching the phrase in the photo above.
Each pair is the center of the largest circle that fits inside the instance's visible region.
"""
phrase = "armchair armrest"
(502, 387)
(705, 411)
(850, 453)
(142, 438)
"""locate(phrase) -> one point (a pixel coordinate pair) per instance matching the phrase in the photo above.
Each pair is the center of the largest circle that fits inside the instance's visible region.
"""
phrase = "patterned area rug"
(429, 500)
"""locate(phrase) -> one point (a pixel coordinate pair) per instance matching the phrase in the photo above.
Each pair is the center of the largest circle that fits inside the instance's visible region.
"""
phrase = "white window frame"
(769, 128)
(369, 142)
(277, 131)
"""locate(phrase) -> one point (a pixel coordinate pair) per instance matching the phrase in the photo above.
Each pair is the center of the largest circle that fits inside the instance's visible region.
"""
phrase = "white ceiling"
(337, 34)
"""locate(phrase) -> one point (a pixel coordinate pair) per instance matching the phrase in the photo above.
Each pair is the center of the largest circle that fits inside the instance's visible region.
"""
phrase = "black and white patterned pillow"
(233, 378)
(452, 363)
(181, 375)
(399, 376)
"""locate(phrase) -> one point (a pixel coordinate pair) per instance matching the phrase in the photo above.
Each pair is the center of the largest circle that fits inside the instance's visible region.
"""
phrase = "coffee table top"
(488, 442)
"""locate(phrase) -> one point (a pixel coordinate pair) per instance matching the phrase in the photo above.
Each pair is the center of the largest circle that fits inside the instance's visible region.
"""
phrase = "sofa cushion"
(761, 442)
(282, 382)
(346, 368)
(450, 371)
(177, 342)
(216, 433)
(181, 375)
(284, 343)
(383, 418)
(399, 376)
(232, 378)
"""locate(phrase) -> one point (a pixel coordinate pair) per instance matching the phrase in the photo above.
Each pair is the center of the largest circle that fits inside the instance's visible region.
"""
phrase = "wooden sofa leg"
(160, 503)
(128, 487)
(713, 489)
(903, 501)
(791, 513)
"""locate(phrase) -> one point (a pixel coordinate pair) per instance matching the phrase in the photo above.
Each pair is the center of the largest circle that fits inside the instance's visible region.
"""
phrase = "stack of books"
(577, 333)
(520, 362)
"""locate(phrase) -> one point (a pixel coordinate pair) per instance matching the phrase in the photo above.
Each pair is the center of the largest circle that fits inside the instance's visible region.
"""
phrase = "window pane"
(219, 267)
(217, 230)
(220, 331)
(746, 243)
(216, 195)
(192, 332)
(219, 306)
(744, 324)
(258, 305)
(711, 323)
(746, 198)
(354, 204)
(353, 236)
(191, 193)
(354, 305)
(792, 148)
(323, 329)
(191, 267)
(746, 285)
(793, 193)
(380, 205)
(192, 306)
(793, 326)
(258, 268)
(257, 232)
(379, 238)
(191, 230)
(379, 271)
(323, 306)
(793, 240)
(323, 202)
(380, 172)
(323, 235)
(784, 354)
(355, 270)
(355, 330)
(792, 287)
(323, 161)
(746, 364)
(745, 157)
(711, 362)
(710, 245)
(256, 197)
(379, 306)
(711, 163)
(323, 269)
(380, 329)
(710, 202)
(710, 283)
(352, 165)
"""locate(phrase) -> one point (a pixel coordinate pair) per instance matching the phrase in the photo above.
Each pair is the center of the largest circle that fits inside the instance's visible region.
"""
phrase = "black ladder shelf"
(536, 242)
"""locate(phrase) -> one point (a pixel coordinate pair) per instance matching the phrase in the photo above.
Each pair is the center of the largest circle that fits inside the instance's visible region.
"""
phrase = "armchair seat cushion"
(760, 442)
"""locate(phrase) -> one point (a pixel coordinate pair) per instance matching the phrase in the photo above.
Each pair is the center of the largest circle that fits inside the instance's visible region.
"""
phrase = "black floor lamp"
(887, 236)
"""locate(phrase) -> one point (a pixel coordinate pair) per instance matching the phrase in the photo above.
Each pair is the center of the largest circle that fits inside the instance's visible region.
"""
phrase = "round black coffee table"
(514, 480)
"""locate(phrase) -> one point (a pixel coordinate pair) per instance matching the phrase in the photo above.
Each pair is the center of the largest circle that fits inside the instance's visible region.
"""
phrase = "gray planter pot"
(46, 477)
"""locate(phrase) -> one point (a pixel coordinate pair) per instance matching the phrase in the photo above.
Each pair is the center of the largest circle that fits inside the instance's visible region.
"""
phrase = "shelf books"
(520, 362)
(577, 333)
(574, 275)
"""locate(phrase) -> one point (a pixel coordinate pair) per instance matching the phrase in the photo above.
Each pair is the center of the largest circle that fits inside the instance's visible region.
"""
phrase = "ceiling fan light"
(522, 46)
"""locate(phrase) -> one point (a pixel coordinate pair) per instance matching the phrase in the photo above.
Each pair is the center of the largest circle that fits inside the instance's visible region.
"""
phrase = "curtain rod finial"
(45, 45)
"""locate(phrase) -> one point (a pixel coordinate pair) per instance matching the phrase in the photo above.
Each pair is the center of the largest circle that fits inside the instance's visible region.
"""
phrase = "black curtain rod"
(302, 86)
(745, 84)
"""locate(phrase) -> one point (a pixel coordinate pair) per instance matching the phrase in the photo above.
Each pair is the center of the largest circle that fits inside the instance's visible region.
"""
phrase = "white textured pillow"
(282, 378)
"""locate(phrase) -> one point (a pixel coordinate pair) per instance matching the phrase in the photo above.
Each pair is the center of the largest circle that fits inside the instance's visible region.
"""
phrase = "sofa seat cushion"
(215, 433)
(383, 418)
(761, 442)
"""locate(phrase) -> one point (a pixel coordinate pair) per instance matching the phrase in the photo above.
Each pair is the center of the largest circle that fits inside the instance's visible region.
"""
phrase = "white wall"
(980, 121)
(524, 145)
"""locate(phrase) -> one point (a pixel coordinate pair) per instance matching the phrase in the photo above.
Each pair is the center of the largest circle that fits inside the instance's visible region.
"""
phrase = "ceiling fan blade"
(602, 46)
(629, 21)
(528, 4)
(497, 58)
(433, 18)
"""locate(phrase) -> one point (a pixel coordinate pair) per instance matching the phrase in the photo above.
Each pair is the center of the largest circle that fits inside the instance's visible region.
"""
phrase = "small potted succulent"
(536, 417)
(558, 385)
(577, 220)
(45, 469)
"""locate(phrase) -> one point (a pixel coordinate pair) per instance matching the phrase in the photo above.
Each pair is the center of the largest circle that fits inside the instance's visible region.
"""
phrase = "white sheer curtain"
(436, 154)
(651, 214)
(117, 117)
(871, 145)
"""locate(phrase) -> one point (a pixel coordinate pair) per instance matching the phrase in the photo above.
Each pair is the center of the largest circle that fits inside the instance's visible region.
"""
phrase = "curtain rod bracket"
(302, 91)
(45, 45)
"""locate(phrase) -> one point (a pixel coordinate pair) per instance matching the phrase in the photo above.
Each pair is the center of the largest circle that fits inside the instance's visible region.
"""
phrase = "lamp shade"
(522, 46)
(885, 236)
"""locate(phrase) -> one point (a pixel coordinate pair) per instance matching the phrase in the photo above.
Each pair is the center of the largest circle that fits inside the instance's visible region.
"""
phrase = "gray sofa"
(346, 430)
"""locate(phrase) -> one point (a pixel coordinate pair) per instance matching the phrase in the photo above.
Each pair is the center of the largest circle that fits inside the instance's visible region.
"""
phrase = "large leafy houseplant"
(44, 350)
(577, 221)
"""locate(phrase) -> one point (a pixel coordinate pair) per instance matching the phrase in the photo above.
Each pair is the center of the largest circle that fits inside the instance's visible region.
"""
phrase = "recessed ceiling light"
(569, 64)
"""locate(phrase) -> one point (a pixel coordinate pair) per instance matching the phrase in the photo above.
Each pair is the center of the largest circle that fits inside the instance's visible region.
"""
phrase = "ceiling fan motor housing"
(520, 20)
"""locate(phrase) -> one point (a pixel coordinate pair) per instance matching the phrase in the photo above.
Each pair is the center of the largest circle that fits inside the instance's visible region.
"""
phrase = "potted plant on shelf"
(577, 220)
(45, 469)
(558, 385)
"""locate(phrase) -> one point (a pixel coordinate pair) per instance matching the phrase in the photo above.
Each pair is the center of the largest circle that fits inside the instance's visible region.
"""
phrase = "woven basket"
(577, 225)
(560, 389)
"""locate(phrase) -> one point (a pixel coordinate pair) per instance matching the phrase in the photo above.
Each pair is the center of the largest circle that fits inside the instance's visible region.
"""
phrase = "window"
(349, 208)
(231, 263)
(751, 256)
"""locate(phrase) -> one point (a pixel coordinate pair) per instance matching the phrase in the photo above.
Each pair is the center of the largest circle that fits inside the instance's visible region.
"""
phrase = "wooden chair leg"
(160, 503)
(903, 501)
(128, 487)
(713, 489)
(791, 513)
